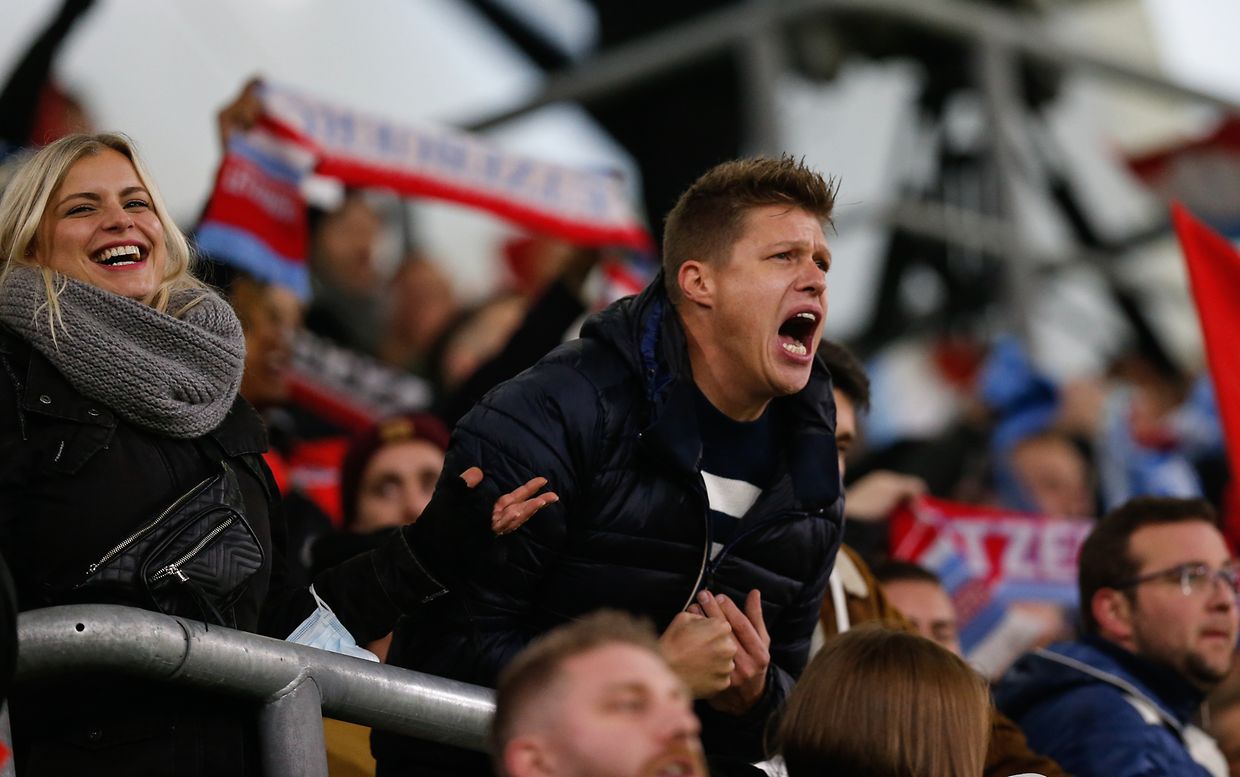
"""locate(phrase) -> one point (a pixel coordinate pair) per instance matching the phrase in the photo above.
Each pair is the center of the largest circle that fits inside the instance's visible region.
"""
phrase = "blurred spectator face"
(1054, 475)
(1189, 628)
(270, 315)
(344, 247)
(929, 608)
(397, 484)
(422, 303)
(618, 712)
(845, 426)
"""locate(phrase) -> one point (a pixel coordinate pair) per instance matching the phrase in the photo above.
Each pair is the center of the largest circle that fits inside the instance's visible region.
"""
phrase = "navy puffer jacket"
(609, 420)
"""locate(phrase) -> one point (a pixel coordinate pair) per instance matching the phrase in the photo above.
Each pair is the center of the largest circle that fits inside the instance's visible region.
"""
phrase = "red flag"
(1214, 274)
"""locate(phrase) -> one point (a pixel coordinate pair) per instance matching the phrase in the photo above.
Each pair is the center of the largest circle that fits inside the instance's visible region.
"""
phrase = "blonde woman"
(131, 470)
(118, 400)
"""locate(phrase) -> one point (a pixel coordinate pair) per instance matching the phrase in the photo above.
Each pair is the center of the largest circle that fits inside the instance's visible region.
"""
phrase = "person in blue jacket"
(1158, 589)
(689, 434)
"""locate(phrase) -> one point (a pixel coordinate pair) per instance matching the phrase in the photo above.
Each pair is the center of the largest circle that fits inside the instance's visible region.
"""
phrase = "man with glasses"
(1158, 589)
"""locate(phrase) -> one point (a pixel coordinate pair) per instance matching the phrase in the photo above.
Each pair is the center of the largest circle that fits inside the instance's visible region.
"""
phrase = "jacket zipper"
(174, 569)
(710, 532)
(789, 516)
(140, 533)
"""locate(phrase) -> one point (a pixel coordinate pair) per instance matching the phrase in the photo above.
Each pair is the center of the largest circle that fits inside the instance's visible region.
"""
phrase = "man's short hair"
(895, 571)
(1105, 561)
(535, 669)
(847, 374)
(709, 217)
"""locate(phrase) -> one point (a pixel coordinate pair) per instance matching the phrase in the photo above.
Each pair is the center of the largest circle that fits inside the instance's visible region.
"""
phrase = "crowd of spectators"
(797, 644)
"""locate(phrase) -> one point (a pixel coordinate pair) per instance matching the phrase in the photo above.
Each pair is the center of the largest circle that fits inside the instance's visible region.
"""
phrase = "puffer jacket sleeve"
(545, 422)
(1067, 727)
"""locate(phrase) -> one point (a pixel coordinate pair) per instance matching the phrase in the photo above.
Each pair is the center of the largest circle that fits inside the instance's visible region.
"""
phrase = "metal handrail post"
(291, 731)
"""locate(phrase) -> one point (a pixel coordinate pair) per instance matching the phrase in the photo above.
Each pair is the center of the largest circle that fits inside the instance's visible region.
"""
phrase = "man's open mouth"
(119, 256)
(796, 335)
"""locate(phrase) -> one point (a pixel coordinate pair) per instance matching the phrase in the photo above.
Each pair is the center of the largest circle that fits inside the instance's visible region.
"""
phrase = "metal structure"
(296, 685)
(999, 40)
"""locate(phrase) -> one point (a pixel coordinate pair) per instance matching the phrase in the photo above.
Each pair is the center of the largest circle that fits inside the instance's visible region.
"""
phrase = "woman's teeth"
(795, 348)
(119, 255)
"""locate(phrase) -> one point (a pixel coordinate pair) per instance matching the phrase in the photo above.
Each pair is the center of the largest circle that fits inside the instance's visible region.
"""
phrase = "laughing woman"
(123, 444)
(131, 470)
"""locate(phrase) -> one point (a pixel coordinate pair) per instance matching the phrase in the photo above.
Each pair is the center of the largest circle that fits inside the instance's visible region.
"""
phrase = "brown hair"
(1105, 561)
(847, 373)
(709, 217)
(881, 703)
(532, 673)
(895, 571)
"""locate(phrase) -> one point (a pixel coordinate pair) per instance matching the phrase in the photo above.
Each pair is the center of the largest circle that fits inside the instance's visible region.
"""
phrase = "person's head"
(1157, 578)
(594, 698)
(745, 262)
(851, 387)
(85, 206)
(389, 472)
(1054, 474)
(343, 244)
(421, 303)
(876, 702)
(270, 316)
(919, 596)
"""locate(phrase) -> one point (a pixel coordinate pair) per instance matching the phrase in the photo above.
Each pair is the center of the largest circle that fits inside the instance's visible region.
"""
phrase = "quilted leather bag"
(193, 559)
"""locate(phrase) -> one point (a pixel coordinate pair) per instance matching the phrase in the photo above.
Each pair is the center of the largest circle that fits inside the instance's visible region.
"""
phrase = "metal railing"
(296, 685)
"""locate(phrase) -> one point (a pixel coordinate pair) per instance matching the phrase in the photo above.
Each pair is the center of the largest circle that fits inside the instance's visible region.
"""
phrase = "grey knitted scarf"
(175, 376)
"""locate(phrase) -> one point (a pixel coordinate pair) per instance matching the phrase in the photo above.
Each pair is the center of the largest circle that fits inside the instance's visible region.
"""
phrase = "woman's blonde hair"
(26, 199)
(882, 703)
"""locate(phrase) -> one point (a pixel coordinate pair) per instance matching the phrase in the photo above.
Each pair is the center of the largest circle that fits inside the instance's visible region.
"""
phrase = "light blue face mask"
(323, 630)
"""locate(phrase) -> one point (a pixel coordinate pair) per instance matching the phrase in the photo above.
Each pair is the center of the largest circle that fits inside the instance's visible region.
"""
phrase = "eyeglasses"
(1193, 578)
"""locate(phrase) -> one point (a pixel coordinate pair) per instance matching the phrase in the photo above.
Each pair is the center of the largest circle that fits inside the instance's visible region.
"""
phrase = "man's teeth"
(807, 315)
(798, 349)
(118, 251)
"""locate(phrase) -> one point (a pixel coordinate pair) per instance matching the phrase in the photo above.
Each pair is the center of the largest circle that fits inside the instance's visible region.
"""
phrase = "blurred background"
(1004, 260)
(888, 97)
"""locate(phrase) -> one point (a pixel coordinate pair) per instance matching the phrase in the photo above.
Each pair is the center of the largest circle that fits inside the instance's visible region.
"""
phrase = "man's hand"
(700, 651)
(753, 654)
(875, 496)
(516, 507)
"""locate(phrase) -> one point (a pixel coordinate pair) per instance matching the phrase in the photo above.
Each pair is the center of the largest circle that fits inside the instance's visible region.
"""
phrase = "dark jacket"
(1101, 711)
(609, 419)
(75, 479)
